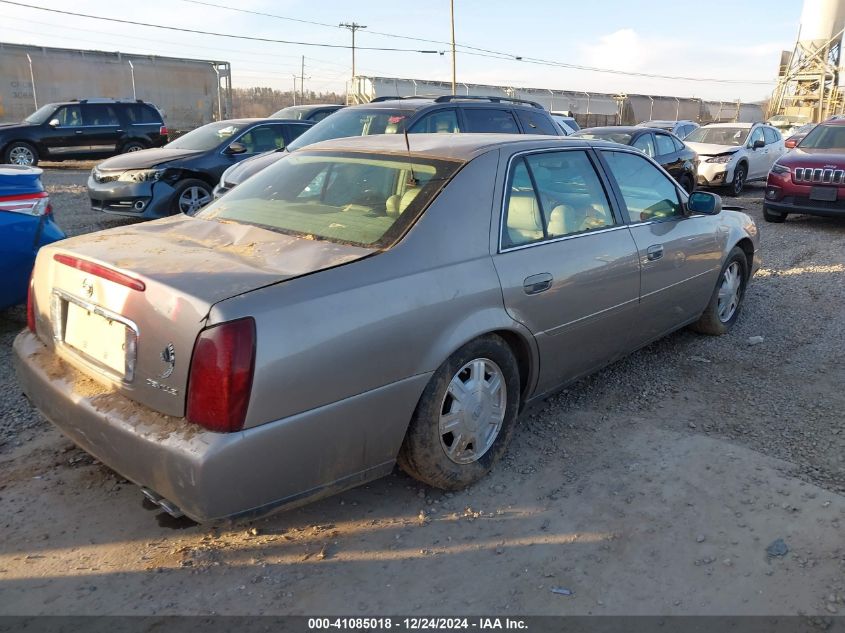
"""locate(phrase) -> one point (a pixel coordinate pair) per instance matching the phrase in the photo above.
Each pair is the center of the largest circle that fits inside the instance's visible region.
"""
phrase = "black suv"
(315, 112)
(449, 114)
(81, 130)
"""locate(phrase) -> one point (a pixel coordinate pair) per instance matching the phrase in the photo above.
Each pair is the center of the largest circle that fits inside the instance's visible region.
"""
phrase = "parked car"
(675, 157)
(798, 135)
(811, 178)
(82, 130)
(787, 124)
(180, 176)
(731, 154)
(681, 129)
(26, 224)
(314, 112)
(362, 304)
(394, 115)
(567, 124)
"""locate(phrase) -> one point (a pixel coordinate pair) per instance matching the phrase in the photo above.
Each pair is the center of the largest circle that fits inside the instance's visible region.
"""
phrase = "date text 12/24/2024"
(416, 624)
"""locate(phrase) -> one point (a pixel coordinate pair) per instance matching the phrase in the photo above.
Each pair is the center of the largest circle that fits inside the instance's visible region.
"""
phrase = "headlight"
(724, 158)
(780, 169)
(141, 175)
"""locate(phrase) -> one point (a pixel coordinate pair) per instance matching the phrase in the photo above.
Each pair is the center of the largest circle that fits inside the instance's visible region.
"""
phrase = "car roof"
(463, 147)
(630, 129)
(738, 124)
(418, 103)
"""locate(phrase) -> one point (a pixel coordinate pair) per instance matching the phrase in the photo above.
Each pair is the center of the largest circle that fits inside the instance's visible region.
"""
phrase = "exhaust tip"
(168, 506)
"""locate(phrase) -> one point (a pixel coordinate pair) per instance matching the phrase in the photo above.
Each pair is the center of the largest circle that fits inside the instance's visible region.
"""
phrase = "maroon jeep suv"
(811, 178)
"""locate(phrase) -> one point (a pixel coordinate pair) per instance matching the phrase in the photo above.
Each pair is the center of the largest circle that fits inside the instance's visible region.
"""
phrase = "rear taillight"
(220, 378)
(29, 203)
(101, 271)
(790, 143)
(30, 306)
(163, 130)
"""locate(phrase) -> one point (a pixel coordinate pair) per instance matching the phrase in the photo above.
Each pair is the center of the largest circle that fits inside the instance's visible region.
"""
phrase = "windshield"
(208, 136)
(610, 135)
(291, 112)
(346, 197)
(41, 114)
(355, 122)
(825, 137)
(719, 135)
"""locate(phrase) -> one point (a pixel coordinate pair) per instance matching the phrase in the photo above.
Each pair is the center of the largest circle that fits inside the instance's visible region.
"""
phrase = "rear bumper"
(216, 475)
(146, 200)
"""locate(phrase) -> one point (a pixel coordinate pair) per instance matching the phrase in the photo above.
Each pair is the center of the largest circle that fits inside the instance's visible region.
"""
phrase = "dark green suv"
(82, 130)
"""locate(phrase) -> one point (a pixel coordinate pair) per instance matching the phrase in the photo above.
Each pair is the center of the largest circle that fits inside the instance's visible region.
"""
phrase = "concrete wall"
(185, 90)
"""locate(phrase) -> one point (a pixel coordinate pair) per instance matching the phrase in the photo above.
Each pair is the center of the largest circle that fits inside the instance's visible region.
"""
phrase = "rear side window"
(647, 192)
(99, 114)
(664, 144)
(140, 113)
(535, 122)
(490, 120)
(645, 144)
(438, 122)
(551, 195)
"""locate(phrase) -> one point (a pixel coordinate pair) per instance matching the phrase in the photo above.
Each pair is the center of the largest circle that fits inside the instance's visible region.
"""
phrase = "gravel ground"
(653, 486)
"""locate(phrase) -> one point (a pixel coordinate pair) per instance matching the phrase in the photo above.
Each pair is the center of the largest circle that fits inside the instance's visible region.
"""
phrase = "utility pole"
(454, 75)
(294, 89)
(302, 81)
(352, 26)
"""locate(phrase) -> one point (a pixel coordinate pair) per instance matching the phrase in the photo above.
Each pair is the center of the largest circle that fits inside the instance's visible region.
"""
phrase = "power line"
(212, 33)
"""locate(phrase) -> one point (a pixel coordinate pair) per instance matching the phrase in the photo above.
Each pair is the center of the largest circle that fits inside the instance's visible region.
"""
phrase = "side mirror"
(53, 123)
(759, 143)
(235, 148)
(704, 203)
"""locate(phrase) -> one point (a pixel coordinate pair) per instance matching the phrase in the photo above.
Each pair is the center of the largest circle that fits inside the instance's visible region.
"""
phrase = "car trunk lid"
(125, 306)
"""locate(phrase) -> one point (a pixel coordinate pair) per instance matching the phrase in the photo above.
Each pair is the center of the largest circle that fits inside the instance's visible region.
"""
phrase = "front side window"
(355, 198)
(490, 120)
(264, 138)
(645, 144)
(69, 116)
(438, 122)
(647, 192)
(551, 195)
(756, 135)
(771, 135)
(664, 144)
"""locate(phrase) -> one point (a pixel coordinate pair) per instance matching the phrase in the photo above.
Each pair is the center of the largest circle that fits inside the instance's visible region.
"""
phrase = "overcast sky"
(738, 40)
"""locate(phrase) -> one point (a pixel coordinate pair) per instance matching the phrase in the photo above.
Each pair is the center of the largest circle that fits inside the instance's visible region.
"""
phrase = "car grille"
(805, 202)
(819, 176)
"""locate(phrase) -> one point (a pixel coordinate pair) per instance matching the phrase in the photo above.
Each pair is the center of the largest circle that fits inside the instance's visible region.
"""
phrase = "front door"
(67, 138)
(101, 128)
(758, 158)
(567, 264)
(679, 254)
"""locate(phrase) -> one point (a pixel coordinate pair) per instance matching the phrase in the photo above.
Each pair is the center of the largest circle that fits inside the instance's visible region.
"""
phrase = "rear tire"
(20, 153)
(465, 417)
(773, 216)
(133, 146)
(723, 310)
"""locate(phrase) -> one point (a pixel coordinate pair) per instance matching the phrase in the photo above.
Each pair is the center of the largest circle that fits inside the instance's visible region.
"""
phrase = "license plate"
(101, 339)
(823, 194)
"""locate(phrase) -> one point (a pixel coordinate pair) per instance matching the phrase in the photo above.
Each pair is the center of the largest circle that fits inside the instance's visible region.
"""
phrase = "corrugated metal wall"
(187, 91)
(588, 108)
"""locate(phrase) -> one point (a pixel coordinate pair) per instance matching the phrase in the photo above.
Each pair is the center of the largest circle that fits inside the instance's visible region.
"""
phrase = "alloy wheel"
(473, 411)
(739, 180)
(730, 292)
(193, 199)
(21, 156)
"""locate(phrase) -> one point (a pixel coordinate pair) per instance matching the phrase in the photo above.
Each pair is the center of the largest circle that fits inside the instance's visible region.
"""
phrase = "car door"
(66, 138)
(567, 263)
(774, 145)
(668, 155)
(101, 128)
(266, 137)
(758, 158)
(679, 254)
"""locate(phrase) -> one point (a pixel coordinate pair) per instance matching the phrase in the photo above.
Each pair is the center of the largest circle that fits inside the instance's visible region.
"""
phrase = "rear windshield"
(207, 137)
(350, 198)
(617, 137)
(719, 135)
(292, 112)
(355, 122)
(825, 137)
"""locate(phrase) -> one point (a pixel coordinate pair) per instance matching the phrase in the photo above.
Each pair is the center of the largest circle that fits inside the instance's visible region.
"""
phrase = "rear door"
(679, 254)
(668, 155)
(101, 128)
(567, 264)
(774, 145)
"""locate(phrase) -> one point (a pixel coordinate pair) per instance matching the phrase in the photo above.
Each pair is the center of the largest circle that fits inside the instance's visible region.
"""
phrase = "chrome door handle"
(535, 284)
(78, 132)
(654, 252)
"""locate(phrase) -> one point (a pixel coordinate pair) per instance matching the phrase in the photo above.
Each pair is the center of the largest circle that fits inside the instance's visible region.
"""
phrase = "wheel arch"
(748, 248)
(185, 174)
